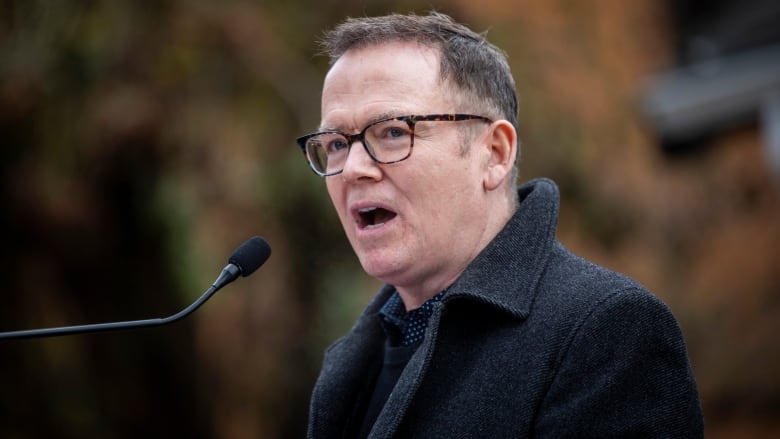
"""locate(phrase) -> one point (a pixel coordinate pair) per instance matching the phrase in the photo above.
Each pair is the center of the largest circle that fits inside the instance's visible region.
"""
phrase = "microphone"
(247, 258)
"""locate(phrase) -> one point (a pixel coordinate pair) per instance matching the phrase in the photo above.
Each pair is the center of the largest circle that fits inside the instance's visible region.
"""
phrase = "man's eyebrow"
(385, 115)
(324, 128)
(375, 118)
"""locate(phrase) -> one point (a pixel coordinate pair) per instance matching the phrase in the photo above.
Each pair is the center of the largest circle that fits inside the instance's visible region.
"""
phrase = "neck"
(415, 295)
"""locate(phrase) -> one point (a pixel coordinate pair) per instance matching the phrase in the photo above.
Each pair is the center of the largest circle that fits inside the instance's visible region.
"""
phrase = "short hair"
(476, 67)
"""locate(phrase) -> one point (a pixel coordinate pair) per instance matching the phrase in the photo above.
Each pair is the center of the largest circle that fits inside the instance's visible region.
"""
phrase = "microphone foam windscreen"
(251, 255)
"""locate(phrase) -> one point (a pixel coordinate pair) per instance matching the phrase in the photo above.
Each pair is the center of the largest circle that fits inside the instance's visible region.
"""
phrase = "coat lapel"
(348, 370)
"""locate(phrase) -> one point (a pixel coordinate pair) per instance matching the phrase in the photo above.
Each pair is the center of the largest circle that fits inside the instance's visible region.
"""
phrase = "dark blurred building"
(727, 75)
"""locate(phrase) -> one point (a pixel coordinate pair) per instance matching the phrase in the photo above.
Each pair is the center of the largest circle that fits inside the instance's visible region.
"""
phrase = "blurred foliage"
(143, 140)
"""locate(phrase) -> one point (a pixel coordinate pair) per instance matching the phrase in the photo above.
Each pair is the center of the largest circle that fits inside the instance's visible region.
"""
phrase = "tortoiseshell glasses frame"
(386, 141)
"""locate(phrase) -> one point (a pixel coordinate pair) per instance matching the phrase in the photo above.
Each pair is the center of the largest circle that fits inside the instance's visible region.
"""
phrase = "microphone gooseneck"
(244, 261)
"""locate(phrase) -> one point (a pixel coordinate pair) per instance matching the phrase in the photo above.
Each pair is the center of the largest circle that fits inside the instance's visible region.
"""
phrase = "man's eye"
(396, 132)
(393, 132)
(336, 145)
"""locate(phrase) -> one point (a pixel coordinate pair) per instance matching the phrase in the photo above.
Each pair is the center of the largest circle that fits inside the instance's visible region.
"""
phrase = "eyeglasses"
(386, 141)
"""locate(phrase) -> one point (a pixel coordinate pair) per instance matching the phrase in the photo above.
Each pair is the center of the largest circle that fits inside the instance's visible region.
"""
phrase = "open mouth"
(371, 217)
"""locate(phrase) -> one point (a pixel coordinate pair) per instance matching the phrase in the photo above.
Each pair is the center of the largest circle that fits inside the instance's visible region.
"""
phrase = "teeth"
(367, 209)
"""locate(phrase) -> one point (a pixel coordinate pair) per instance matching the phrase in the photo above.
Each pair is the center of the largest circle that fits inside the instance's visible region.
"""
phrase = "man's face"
(415, 224)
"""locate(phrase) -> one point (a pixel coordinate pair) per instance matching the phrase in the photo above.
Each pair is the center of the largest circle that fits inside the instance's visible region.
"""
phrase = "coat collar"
(506, 272)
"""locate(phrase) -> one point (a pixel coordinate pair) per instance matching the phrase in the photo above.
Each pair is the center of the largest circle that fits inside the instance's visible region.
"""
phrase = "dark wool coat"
(530, 341)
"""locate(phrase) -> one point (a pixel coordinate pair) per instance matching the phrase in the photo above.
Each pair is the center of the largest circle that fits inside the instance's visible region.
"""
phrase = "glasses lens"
(390, 140)
(326, 152)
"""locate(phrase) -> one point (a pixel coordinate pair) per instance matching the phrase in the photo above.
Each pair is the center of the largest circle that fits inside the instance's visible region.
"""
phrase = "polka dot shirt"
(410, 325)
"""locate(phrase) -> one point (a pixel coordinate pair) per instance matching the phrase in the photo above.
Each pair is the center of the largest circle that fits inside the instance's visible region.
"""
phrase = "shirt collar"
(407, 328)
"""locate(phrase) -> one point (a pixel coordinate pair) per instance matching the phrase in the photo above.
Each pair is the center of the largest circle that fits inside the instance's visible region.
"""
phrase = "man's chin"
(380, 268)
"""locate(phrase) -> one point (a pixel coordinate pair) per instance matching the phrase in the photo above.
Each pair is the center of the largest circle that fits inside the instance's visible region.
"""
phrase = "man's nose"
(359, 163)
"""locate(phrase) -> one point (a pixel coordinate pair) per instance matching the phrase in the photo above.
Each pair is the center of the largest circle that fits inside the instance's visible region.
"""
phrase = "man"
(487, 326)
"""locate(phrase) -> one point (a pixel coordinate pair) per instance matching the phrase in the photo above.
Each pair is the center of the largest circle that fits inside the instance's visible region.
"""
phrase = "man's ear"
(501, 142)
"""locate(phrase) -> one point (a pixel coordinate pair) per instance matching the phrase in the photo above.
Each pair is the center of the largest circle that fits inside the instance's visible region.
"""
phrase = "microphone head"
(250, 255)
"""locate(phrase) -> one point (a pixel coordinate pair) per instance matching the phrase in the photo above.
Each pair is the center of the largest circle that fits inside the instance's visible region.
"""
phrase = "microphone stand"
(229, 274)
(247, 258)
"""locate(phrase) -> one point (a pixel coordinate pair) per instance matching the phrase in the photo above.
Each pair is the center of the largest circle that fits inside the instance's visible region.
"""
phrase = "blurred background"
(143, 140)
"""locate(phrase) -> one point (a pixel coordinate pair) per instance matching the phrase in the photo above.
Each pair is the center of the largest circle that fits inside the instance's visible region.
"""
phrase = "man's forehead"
(376, 82)
(389, 52)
